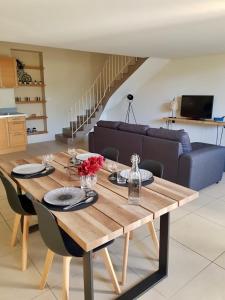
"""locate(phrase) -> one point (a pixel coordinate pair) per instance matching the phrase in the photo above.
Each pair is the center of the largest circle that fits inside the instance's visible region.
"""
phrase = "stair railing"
(85, 108)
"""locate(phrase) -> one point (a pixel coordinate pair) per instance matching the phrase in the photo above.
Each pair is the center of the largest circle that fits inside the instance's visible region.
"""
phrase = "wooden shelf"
(28, 67)
(31, 85)
(33, 65)
(37, 132)
(190, 121)
(30, 102)
(36, 118)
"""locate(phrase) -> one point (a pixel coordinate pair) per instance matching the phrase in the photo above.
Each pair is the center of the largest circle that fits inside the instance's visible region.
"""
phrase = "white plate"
(85, 156)
(145, 175)
(27, 169)
(64, 196)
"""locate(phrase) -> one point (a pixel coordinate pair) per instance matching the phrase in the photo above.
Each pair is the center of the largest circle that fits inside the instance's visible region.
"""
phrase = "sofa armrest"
(202, 167)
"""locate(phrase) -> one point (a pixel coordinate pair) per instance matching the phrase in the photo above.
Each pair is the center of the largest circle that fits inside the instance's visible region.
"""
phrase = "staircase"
(85, 113)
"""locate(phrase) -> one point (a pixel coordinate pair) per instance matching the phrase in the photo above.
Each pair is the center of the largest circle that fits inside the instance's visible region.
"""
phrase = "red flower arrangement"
(91, 165)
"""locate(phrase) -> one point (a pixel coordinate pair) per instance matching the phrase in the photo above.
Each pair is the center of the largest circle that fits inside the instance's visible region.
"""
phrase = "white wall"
(67, 74)
(198, 75)
(117, 104)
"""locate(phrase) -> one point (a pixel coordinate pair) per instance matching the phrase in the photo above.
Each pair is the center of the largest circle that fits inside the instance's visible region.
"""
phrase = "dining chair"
(23, 208)
(111, 153)
(153, 166)
(59, 242)
(156, 168)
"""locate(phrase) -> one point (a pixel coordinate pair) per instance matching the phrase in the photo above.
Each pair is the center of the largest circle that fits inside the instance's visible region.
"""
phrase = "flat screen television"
(197, 107)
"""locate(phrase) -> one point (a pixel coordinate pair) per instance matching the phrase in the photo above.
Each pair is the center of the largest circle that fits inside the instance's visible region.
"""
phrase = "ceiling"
(159, 28)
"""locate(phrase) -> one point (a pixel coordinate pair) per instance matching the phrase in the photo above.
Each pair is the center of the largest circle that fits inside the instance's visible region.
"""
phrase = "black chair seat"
(74, 249)
(27, 205)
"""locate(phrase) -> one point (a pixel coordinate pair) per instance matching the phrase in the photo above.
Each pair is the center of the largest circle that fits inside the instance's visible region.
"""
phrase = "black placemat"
(45, 172)
(113, 178)
(78, 207)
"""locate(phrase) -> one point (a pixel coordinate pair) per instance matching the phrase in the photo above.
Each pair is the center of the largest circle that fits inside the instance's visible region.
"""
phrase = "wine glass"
(47, 159)
(72, 150)
(112, 167)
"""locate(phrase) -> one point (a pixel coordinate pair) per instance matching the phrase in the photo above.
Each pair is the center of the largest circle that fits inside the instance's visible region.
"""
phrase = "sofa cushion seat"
(173, 135)
(134, 128)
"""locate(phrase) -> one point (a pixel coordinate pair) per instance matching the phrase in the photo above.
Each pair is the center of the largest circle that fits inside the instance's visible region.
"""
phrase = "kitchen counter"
(12, 115)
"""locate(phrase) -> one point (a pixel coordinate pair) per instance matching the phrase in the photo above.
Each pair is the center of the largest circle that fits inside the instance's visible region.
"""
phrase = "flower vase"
(88, 182)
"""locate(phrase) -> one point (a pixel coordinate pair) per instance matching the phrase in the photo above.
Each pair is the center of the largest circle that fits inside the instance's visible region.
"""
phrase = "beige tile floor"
(196, 258)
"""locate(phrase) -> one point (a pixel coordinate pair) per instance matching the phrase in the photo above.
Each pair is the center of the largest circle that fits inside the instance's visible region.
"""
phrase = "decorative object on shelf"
(32, 116)
(31, 85)
(20, 65)
(31, 130)
(26, 78)
(174, 107)
(134, 181)
(23, 77)
(18, 99)
(219, 119)
(87, 171)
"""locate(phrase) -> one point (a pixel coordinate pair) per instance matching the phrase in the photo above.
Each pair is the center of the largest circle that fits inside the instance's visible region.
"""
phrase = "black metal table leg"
(147, 283)
(88, 276)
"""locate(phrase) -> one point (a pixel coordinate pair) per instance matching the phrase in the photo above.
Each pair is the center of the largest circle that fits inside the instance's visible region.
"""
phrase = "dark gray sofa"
(194, 165)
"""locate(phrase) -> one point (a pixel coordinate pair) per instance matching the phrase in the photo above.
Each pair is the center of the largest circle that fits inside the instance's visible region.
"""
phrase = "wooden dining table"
(111, 216)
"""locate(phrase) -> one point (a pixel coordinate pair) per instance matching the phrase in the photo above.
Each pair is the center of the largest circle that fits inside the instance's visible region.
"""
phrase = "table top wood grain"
(111, 216)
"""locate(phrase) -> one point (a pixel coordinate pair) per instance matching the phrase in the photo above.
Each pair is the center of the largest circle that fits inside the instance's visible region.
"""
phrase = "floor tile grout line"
(196, 275)
(191, 249)
(209, 220)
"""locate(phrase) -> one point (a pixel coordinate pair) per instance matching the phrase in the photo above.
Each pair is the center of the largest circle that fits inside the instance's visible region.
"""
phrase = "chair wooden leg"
(47, 266)
(109, 267)
(152, 231)
(15, 229)
(25, 241)
(125, 258)
(66, 277)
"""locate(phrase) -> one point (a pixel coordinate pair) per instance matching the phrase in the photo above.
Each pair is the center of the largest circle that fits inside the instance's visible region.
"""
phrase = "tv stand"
(203, 122)
(193, 121)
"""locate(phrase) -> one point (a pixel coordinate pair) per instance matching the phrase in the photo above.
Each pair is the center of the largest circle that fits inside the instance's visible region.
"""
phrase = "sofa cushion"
(174, 135)
(134, 128)
(108, 124)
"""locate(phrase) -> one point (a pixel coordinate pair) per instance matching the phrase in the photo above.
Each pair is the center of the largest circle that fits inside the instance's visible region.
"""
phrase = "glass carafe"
(134, 181)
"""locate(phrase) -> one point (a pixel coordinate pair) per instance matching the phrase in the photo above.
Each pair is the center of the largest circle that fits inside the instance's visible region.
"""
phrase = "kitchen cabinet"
(8, 74)
(4, 140)
(13, 134)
